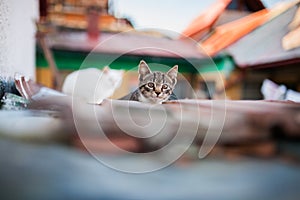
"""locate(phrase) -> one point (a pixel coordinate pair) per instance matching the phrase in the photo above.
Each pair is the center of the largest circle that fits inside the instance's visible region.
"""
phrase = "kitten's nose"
(157, 93)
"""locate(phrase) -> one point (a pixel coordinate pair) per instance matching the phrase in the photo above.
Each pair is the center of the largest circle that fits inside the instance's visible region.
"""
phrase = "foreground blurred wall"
(17, 41)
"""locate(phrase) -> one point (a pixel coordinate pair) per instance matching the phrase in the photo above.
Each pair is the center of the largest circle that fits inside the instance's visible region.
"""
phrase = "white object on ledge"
(93, 85)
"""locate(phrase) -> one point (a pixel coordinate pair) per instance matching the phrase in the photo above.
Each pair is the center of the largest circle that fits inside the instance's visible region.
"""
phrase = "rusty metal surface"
(257, 155)
(234, 122)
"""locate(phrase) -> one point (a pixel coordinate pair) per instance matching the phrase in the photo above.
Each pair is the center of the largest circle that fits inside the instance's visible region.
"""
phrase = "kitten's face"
(156, 87)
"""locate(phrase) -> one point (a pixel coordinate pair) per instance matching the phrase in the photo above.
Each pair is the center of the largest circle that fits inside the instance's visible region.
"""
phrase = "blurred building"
(260, 55)
(73, 14)
(117, 44)
(254, 41)
(221, 53)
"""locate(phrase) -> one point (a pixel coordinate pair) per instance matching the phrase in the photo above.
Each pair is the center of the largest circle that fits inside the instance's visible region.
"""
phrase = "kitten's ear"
(106, 69)
(143, 70)
(173, 72)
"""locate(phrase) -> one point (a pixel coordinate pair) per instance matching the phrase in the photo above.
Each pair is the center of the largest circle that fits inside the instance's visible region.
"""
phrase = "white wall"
(17, 37)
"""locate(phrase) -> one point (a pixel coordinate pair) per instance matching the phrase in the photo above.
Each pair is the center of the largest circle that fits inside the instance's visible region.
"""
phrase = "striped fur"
(154, 87)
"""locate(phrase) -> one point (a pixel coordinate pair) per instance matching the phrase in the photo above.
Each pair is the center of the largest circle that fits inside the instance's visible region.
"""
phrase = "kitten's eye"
(151, 85)
(164, 86)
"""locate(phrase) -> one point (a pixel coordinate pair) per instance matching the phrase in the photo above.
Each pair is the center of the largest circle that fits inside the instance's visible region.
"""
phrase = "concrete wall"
(17, 37)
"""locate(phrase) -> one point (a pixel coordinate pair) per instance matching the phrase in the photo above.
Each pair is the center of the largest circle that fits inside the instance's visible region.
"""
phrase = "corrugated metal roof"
(131, 43)
(262, 47)
(230, 16)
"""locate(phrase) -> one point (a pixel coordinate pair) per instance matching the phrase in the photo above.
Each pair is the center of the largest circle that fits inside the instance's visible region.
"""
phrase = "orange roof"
(226, 34)
(229, 33)
(204, 21)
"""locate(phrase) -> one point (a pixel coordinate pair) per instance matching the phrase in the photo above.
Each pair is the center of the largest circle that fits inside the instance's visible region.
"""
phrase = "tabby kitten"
(154, 87)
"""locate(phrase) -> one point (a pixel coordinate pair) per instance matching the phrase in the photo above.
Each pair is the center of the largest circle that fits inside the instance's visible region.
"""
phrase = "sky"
(170, 16)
